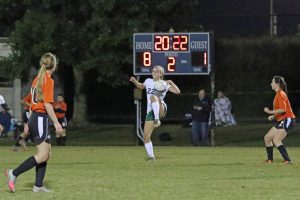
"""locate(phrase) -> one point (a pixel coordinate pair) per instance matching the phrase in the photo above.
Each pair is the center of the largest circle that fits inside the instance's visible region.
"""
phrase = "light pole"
(273, 20)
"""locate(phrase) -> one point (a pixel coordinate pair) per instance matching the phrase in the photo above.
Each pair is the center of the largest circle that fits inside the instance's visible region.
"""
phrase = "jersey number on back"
(33, 95)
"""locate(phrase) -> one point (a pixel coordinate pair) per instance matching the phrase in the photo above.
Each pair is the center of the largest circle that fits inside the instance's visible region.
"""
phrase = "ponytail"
(284, 87)
(47, 62)
(40, 81)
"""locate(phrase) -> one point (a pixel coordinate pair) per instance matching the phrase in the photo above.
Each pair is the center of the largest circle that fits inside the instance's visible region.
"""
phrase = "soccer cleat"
(286, 162)
(268, 161)
(23, 144)
(150, 159)
(11, 180)
(41, 189)
(157, 123)
(14, 148)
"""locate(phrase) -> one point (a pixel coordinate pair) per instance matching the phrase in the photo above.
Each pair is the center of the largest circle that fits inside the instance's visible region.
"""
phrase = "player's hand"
(26, 129)
(169, 82)
(50, 152)
(58, 128)
(267, 110)
(132, 79)
(271, 117)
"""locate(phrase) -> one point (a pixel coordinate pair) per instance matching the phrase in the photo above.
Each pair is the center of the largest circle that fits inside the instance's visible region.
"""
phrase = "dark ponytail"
(280, 80)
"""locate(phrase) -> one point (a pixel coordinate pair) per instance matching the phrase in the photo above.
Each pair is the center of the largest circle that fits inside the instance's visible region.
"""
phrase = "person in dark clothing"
(5, 122)
(200, 116)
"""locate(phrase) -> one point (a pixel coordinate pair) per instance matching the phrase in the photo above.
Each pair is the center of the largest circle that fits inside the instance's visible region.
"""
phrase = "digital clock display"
(178, 53)
(171, 43)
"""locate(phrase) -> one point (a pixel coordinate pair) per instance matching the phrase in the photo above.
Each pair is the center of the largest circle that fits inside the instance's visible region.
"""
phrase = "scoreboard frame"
(182, 50)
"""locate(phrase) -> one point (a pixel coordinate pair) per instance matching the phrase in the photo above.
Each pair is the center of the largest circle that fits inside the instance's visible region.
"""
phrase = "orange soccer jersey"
(47, 89)
(60, 109)
(281, 101)
(27, 99)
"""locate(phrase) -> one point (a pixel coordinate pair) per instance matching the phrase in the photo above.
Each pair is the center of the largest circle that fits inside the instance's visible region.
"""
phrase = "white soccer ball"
(160, 85)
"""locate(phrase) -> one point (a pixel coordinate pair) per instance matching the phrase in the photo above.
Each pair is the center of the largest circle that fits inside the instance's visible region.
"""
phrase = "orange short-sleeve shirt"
(281, 101)
(62, 106)
(47, 89)
(27, 99)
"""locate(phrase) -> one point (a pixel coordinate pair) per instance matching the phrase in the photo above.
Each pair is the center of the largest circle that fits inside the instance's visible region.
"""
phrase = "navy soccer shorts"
(38, 127)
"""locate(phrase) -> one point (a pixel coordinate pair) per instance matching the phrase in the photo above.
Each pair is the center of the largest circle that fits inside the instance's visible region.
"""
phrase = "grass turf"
(178, 173)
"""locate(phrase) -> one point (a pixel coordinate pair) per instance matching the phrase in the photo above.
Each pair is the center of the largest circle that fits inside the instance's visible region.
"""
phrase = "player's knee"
(267, 139)
(42, 157)
(276, 142)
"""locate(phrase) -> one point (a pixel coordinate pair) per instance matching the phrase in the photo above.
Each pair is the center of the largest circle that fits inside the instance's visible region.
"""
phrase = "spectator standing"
(200, 119)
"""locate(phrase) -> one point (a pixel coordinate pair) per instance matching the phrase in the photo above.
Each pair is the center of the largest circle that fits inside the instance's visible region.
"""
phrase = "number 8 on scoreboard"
(178, 53)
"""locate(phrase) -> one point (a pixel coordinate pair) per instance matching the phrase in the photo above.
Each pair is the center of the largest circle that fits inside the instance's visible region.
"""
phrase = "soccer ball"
(160, 85)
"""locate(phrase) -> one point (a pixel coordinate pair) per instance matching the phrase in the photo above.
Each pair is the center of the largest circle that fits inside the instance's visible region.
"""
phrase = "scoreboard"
(177, 53)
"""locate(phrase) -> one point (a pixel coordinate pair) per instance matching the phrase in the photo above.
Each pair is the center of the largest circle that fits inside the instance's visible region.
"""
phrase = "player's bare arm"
(274, 112)
(136, 83)
(174, 88)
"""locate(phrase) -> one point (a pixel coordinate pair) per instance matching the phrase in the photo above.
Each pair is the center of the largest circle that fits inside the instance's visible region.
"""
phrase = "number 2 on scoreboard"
(171, 64)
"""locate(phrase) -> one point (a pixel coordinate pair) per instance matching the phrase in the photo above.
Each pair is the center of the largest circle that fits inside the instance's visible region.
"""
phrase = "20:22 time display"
(178, 53)
(171, 43)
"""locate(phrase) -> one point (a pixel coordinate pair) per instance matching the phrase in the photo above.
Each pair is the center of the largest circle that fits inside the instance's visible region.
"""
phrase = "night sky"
(247, 18)
(242, 18)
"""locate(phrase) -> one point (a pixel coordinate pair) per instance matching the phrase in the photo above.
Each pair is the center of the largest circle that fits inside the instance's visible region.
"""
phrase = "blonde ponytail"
(47, 62)
(40, 81)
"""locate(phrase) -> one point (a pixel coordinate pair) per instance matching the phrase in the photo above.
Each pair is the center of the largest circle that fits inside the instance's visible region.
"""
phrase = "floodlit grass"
(178, 173)
(104, 162)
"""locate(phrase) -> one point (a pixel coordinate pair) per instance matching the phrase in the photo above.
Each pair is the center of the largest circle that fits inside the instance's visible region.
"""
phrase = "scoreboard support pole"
(138, 103)
(212, 87)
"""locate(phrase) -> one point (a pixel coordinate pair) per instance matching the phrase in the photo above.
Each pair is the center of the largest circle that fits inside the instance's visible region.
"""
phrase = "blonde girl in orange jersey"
(285, 121)
(42, 91)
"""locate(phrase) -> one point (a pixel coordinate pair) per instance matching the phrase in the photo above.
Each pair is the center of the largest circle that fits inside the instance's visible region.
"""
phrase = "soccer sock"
(40, 171)
(149, 149)
(270, 152)
(18, 140)
(25, 166)
(155, 108)
(283, 152)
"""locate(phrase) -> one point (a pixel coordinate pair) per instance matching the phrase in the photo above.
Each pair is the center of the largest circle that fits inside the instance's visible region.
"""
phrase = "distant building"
(11, 91)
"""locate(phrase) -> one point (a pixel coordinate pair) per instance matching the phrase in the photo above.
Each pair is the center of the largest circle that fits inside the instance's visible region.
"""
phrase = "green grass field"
(104, 162)
(178, 173)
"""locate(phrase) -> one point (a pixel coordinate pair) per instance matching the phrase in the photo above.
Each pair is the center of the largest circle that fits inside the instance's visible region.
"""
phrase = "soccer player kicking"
(156, 107)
